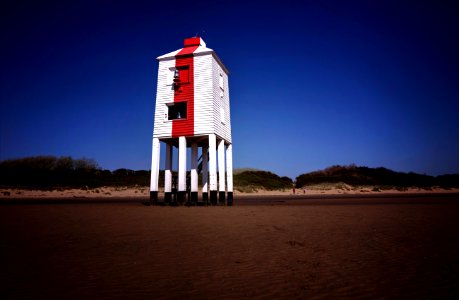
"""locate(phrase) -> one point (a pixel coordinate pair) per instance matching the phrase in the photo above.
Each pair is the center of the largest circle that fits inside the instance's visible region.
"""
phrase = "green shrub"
(365, 176)
(261, 179)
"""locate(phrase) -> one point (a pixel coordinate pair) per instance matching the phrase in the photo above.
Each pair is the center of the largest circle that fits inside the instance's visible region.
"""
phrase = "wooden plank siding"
(222, 127)
(205, 70)
(164, 95)
(203, 95)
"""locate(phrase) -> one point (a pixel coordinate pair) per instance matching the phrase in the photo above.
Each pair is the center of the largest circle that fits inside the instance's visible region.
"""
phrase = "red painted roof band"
(187, 50)
(194, 41)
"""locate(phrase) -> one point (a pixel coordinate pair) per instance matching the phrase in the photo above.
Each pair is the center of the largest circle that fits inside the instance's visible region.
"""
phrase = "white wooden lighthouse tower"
(193, 110)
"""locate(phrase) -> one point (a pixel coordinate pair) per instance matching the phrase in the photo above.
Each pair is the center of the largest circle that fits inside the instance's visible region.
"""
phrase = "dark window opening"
(177, 111)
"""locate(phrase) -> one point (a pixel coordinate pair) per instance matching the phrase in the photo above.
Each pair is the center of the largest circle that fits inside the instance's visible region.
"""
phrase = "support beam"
(182, 170)
(229, 173)
(213, 168)
(194, 174)
(205, 175)
(154, 171)
(168, 175)
(221, 171)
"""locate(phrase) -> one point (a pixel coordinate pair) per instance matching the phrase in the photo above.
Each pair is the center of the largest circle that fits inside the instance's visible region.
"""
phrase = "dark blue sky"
(312, 83)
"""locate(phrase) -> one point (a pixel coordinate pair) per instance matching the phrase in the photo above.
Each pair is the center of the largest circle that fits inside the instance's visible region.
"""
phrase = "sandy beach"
(143, 191)
(269, 247)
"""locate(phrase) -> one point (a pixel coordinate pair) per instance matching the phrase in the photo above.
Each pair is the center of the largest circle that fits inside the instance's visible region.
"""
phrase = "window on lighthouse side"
(222, 100)
(177, 110)
(220, 82)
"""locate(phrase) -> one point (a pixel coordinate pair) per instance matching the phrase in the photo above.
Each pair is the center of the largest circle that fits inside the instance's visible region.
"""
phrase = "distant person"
(293, 190)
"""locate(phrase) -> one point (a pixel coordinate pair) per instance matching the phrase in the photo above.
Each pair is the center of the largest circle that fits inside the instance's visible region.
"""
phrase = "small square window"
(222, 111)
(221, 81)
(177, 111)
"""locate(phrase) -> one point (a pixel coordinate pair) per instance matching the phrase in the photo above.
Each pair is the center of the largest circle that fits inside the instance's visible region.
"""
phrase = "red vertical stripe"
(185, 92)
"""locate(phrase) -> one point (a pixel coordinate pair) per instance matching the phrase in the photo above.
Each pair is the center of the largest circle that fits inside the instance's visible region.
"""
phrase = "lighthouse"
(192, 111)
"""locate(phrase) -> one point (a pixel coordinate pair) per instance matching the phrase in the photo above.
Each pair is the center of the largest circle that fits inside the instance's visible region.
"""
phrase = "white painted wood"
(207, 51)
(221, 165)
(182, 165)
(168, 169)
(203, 100)
(220, 90)
(164, 95)
(170, 55)
(211, 118)
(200, 51)
(155, 165)
(211, 115)
(194, 167)
(229, 167)
(226, 100)
(220, 81)
(205, 169)
(213, 162)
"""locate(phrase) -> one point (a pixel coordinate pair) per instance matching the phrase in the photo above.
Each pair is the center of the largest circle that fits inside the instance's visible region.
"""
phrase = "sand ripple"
(129, 251)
